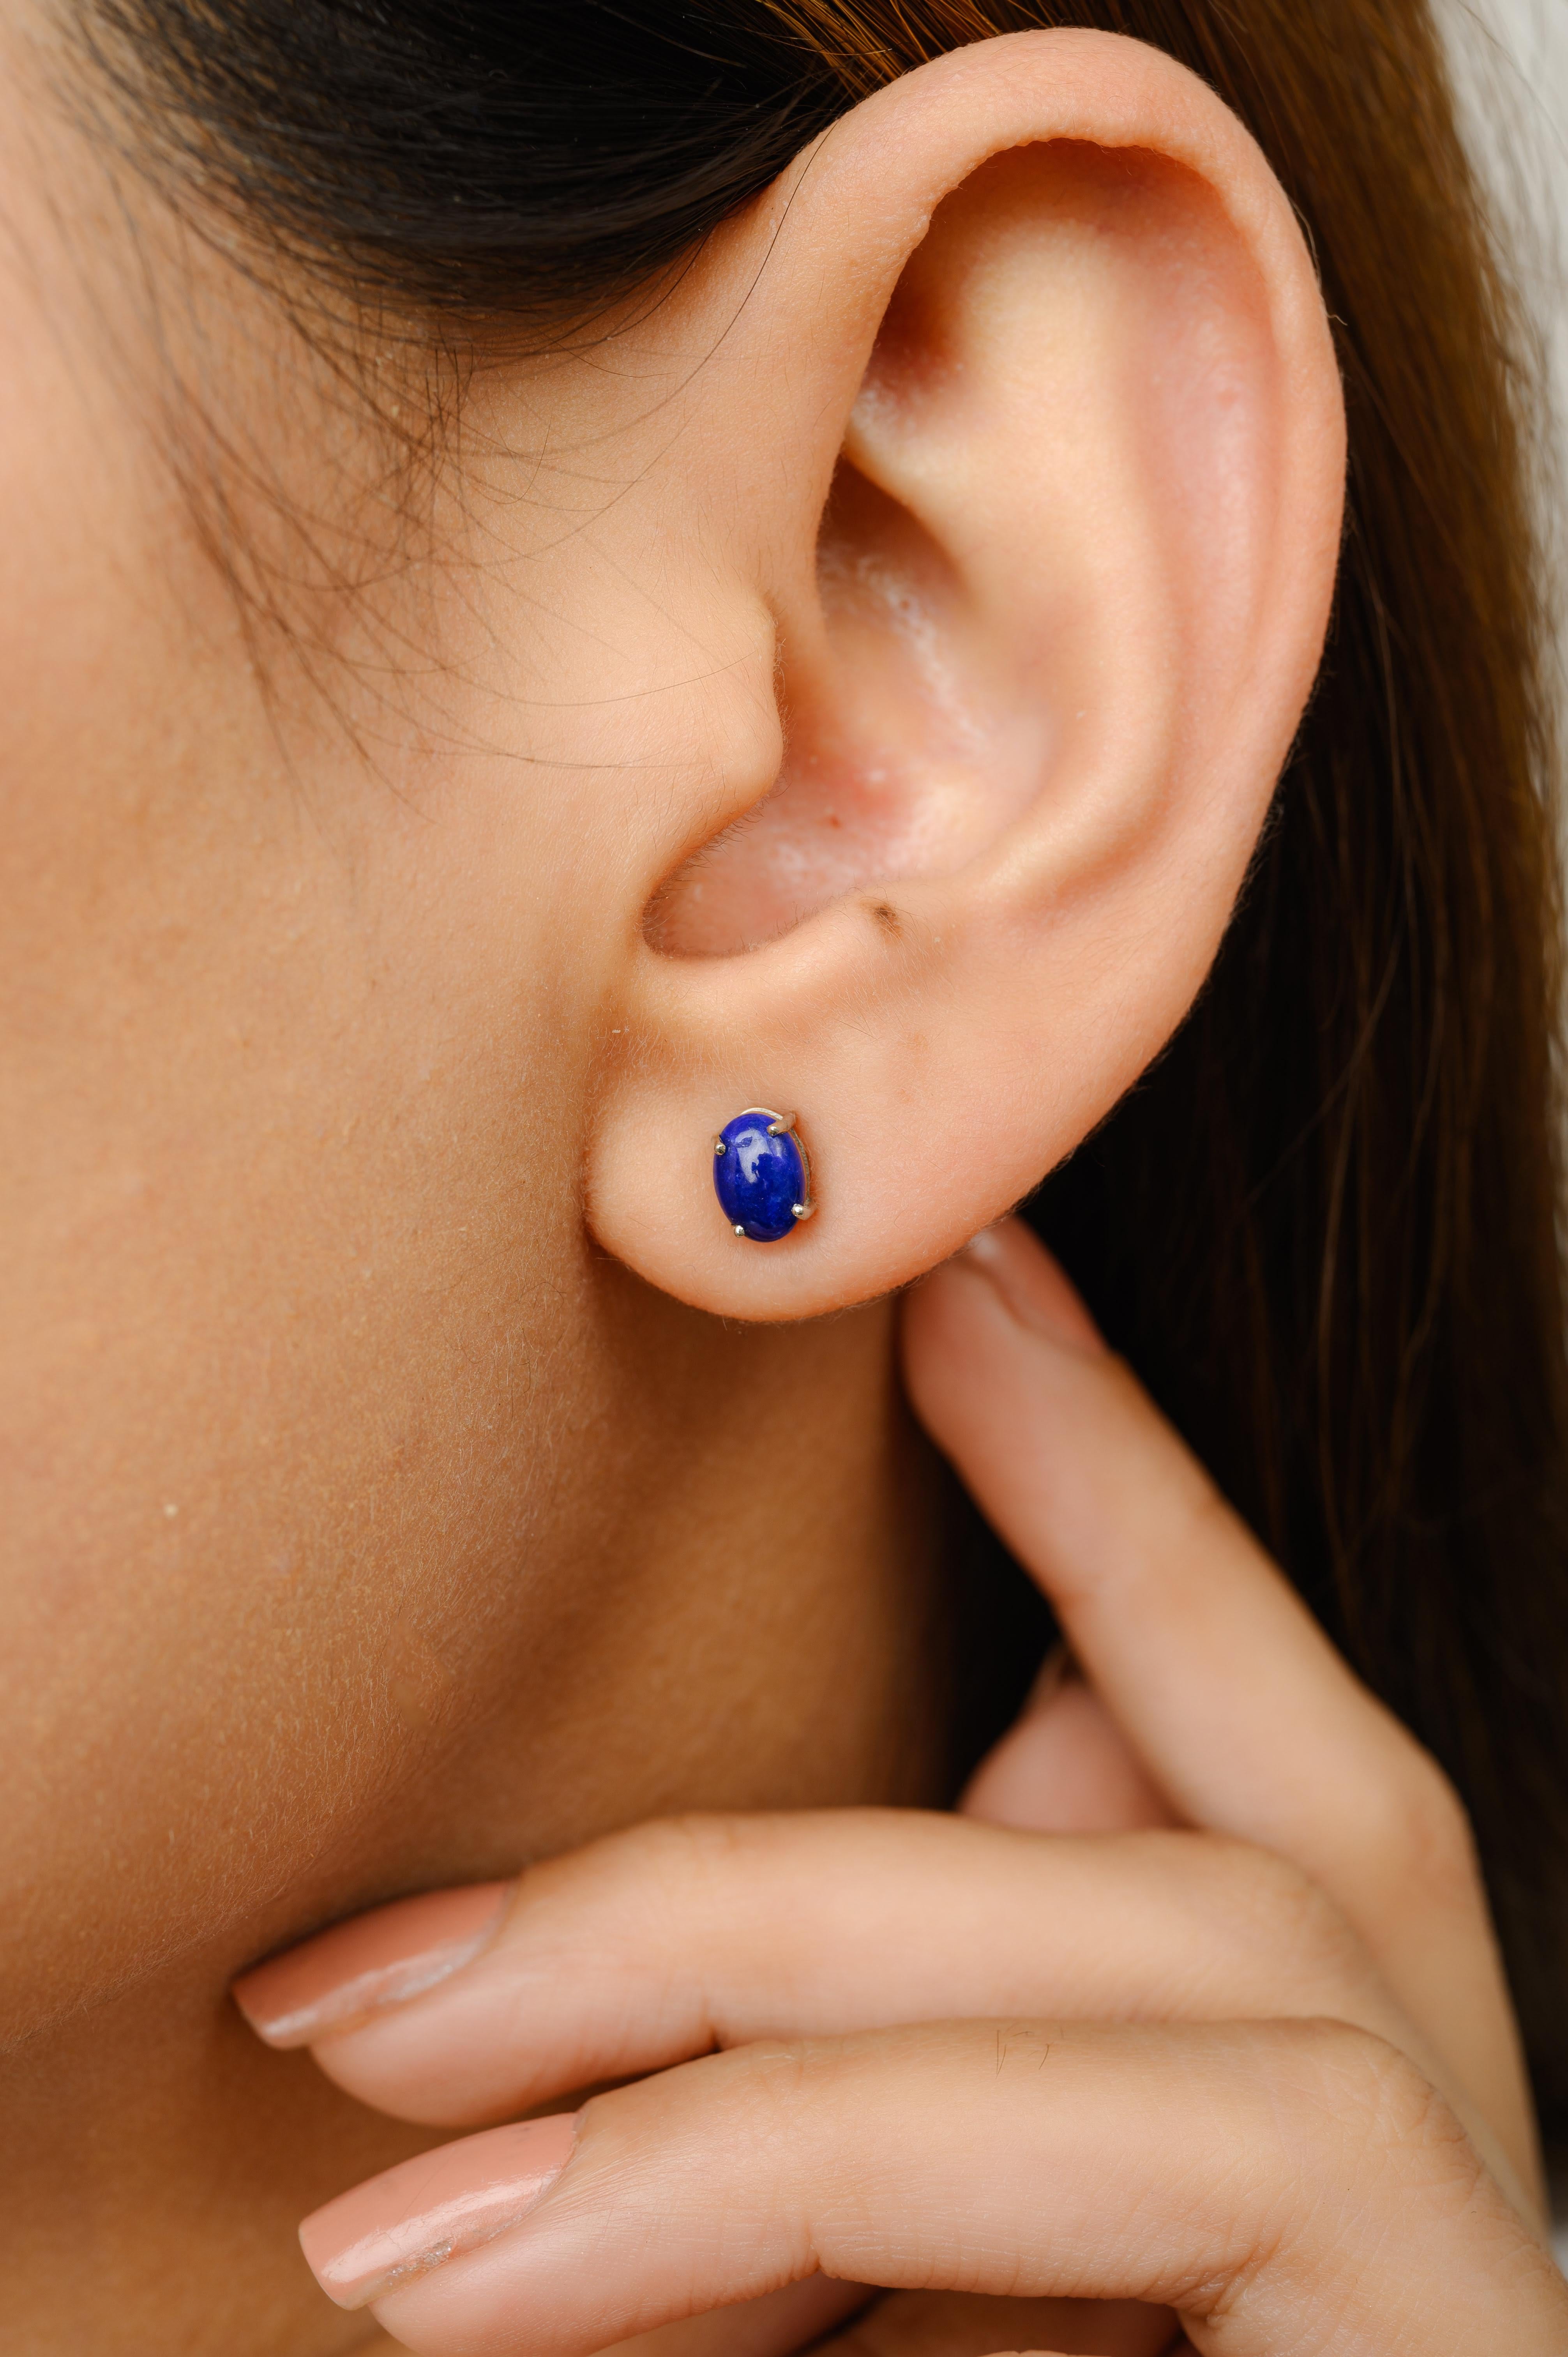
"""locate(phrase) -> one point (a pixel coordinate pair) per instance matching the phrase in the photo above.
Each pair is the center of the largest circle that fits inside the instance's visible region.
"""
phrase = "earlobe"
(1043, 652)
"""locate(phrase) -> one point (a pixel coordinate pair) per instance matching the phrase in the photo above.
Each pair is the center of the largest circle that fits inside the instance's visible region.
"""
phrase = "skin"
(1260, 2069)
(406, 1475)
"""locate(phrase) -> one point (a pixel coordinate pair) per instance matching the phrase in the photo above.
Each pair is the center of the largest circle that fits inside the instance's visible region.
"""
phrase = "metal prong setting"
(719, 1146)
(777, 1129)
(803, 1211)
(738, 1229)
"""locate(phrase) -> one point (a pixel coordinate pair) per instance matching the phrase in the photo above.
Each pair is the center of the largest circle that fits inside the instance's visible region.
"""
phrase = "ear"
(1034, 378)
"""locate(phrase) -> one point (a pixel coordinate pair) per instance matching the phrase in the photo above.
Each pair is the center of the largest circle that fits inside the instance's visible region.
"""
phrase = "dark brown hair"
(1324, 1226)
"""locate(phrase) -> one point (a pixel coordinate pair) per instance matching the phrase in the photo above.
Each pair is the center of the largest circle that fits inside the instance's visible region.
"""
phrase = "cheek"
(291, 1311)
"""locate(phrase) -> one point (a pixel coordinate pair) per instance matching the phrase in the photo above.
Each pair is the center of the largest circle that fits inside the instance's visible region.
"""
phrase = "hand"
(1254, 2065)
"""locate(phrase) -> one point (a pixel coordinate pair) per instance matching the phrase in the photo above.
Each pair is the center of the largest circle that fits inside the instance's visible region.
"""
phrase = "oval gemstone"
(758, 1179)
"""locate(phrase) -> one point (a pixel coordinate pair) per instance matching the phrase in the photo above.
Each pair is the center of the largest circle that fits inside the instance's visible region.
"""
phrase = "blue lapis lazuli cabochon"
(758, 1178)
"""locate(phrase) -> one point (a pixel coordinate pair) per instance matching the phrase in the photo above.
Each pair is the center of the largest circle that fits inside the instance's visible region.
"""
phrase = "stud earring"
(761, 1176)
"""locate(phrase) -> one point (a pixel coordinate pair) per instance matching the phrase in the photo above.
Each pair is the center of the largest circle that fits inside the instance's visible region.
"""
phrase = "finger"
(664, 1942)
(670, 1940)
(1230, 1693)
(780, 2324)
(962, 2324)
(1241, 1711)
(1282, 2187)
(1065, 1767)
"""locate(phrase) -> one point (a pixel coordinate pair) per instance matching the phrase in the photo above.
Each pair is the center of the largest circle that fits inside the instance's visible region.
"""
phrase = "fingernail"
(1032, 1285)
(412, 2218)
(374, 1960)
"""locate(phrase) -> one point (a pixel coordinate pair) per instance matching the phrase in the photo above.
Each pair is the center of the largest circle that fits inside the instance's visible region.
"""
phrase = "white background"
(1512, 65)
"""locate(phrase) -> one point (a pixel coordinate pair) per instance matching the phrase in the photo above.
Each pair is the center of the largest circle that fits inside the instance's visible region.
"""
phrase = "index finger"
(1245, 1715)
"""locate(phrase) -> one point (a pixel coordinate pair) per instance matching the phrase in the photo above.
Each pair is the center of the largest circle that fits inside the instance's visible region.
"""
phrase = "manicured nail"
(412, 2218)
(374, 1960)
(1031, 1285)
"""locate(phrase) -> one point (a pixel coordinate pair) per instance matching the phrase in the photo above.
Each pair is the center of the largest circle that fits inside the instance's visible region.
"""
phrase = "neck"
(743, 1617)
